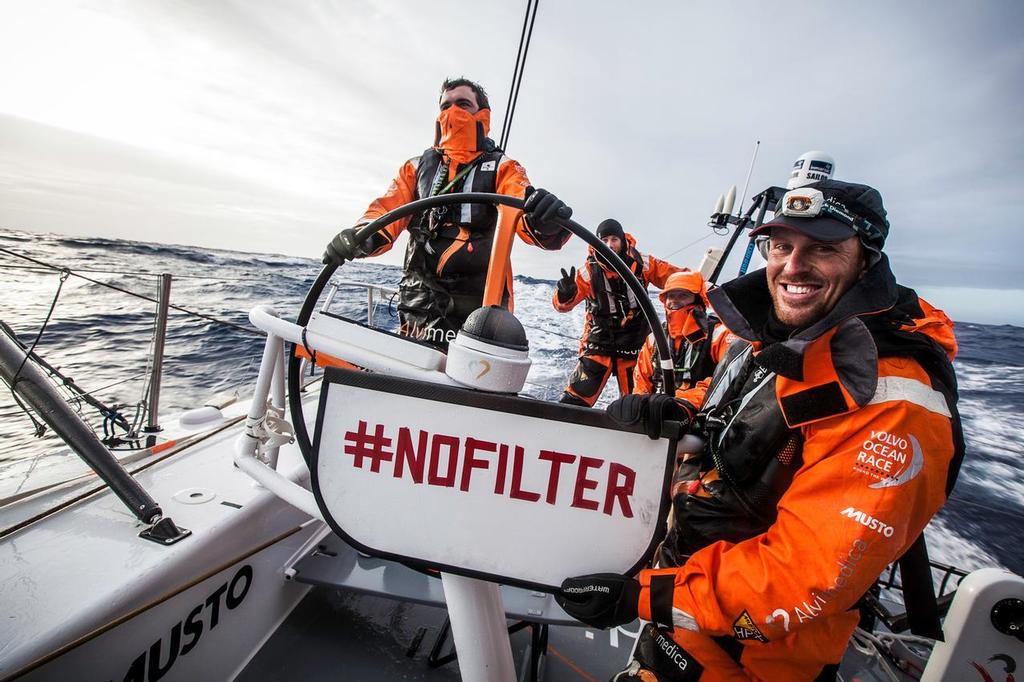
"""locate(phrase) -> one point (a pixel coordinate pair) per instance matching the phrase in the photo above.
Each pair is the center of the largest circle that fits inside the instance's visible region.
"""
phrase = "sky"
(267, 126)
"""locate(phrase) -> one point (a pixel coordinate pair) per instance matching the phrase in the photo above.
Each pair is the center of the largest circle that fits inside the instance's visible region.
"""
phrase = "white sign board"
(509, 489)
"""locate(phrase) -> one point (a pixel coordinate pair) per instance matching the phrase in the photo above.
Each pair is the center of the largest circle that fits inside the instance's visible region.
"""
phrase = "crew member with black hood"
(446, 260)
(831, 440)
(615, 326)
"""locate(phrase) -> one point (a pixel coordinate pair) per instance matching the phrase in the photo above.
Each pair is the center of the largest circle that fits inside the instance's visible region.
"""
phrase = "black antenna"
(517, 75)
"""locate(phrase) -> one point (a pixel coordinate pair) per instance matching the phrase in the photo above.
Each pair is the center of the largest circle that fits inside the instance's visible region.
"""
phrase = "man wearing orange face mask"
(449, 248)
(698, 340)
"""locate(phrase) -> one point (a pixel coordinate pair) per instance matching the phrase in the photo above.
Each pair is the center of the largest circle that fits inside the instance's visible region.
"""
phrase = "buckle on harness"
(710, 424)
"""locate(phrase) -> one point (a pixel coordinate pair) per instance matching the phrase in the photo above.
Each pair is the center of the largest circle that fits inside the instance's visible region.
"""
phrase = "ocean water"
(101, 338)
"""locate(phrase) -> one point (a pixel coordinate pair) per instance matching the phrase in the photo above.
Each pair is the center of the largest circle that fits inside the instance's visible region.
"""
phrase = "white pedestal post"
(479, 629)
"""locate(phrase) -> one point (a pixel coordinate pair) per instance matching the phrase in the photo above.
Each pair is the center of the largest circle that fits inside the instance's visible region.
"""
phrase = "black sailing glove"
(541, 208)
(566, 287)
(342, 248)
(601, 600)
(650, 411)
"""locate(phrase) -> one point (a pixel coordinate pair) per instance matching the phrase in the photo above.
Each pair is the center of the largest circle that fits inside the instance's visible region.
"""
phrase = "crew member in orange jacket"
(615, 327)
(449, 248)
(699, 339)
(835, 439)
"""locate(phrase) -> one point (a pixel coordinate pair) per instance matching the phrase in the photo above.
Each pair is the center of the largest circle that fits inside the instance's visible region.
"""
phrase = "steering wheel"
(365, 232)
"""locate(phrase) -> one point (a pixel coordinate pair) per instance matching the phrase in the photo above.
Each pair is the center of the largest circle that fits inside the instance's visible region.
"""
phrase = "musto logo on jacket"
(890, 459)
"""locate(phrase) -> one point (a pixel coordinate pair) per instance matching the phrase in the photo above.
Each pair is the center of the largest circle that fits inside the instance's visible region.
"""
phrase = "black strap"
(919, 592)
(829, 673)
(730, 645)
(662, 587)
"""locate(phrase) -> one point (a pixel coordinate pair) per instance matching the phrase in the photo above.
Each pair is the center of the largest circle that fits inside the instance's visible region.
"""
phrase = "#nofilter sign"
(507, 488)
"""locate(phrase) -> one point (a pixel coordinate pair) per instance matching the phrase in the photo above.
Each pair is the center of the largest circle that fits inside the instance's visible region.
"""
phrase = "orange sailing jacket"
(697, 357)
(840, 444)
(449, 252)
(615, 324)
(461, 241)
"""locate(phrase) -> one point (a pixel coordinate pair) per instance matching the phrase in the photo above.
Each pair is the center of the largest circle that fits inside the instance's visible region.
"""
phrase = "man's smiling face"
(806, 277)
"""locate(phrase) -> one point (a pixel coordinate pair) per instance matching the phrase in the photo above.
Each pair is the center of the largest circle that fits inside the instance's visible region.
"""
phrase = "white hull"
(84, 597)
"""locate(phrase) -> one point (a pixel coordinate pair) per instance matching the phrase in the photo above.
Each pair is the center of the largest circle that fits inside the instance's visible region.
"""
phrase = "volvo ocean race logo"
(890, 459)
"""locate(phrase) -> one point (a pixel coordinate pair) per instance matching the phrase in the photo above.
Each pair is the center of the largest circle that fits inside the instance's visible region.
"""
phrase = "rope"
(552, 331)
(870, 645)
(117, 383)
(194, 313)
(517, 74)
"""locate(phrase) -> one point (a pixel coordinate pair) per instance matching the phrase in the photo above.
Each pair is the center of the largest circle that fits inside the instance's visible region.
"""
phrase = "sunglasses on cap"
(807, 202)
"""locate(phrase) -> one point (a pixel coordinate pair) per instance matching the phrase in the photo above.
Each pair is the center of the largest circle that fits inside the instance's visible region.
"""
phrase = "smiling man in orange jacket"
(446, 260)
(833, 438)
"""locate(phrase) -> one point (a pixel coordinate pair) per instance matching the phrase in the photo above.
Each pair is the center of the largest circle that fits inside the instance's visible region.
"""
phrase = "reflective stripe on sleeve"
(684, 621)
(911, 391)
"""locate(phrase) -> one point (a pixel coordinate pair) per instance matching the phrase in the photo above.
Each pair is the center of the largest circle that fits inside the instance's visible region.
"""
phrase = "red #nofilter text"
(455, 462)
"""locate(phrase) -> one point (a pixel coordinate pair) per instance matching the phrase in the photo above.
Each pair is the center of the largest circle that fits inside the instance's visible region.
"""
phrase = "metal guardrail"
(895, 619)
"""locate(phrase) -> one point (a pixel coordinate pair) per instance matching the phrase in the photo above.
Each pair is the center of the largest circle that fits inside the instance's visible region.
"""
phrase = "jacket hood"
(744, 304)
(875, 318)
(927, 319)
(686, 280)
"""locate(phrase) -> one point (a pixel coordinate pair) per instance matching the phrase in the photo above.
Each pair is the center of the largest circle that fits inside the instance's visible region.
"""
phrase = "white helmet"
(811, 167)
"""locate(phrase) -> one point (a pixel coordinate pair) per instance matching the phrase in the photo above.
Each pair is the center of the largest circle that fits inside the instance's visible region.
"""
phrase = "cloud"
(296, 115)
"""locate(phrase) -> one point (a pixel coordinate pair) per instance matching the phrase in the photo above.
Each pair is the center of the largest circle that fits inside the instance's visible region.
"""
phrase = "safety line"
(194, 313)
(137, 273)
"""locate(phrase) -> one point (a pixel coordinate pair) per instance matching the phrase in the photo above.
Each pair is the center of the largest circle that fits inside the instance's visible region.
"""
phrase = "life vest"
(616, 324)
(432, 176)
(692, 360)
(449, 249)
(752, 416)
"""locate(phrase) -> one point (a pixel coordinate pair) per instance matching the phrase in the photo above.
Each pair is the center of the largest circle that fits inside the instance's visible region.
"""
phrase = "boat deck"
(371, 619)
(378, 620)
(338, 634)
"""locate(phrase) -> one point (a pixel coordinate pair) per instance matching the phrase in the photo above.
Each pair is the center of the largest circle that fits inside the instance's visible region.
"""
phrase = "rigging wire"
(136, 273)
(688, 245)
(40, 428)
(517, 75)
(194, 313)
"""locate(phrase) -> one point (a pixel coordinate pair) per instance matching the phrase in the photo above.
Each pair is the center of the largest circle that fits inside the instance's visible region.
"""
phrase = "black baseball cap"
(860, 203)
